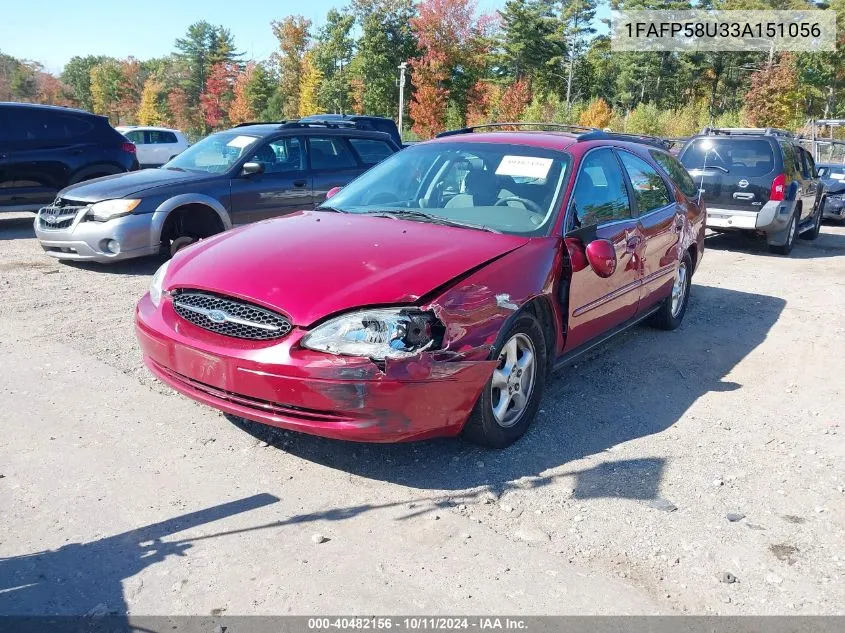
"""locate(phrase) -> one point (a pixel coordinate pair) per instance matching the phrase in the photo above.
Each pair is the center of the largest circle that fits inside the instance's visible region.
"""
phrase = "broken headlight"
(376, 334)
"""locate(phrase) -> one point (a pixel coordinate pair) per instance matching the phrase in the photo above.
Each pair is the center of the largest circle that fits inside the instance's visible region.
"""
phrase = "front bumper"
(834, 208)
(86, 241)
(284, 385)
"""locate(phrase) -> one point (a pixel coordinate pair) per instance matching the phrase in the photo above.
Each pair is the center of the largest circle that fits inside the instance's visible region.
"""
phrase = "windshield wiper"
(175, 168)
(409, 214)
(331, 209)
(727, 171)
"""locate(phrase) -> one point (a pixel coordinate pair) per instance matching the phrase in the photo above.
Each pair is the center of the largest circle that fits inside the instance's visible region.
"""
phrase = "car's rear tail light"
(778, 188)
(128, 147)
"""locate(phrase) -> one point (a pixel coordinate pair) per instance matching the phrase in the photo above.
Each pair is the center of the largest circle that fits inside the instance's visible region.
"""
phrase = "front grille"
(60, 214)
(230, 317)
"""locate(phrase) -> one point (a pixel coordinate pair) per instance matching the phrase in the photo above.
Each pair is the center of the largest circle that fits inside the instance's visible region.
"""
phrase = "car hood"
(312, 264)
(128, 184)
(833, 186)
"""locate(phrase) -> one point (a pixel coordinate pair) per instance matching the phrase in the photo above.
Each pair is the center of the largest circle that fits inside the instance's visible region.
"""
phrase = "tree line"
(537, 60)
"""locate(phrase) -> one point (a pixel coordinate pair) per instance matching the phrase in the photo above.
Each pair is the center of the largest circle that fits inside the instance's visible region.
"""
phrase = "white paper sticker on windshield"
(241, 141)
(838, 175)
(524, 166)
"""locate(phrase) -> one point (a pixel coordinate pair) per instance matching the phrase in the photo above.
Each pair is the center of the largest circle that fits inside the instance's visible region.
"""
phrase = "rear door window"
(677, 172)
(600, 193)
(160, 137)
(742, 157)
(330, 153)
(136, 136)
(650, 191)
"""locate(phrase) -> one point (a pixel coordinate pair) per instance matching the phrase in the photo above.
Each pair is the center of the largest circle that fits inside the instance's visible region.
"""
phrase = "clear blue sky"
(53, 31)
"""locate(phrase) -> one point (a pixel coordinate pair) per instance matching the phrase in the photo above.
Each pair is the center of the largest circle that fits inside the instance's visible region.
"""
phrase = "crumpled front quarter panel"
(476, 309)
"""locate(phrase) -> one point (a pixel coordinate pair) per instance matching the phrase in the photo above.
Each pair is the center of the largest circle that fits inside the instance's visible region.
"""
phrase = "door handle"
(300, 183)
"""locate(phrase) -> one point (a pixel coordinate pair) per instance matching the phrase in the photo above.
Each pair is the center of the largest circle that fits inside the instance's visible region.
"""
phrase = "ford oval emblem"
(217, 316)
(743, 183)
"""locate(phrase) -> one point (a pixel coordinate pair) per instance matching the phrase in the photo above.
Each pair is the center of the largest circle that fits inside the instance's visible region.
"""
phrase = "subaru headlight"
(377, 334)
(155, 284)
(108, 209)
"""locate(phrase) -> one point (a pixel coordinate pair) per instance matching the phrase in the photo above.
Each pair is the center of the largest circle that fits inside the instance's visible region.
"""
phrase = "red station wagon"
(434, 294)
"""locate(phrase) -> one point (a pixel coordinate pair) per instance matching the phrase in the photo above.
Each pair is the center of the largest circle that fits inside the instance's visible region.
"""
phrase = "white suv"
(156, 145)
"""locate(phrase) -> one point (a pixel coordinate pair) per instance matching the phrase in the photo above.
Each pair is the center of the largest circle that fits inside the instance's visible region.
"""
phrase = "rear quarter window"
(677, 173)
(748, 157)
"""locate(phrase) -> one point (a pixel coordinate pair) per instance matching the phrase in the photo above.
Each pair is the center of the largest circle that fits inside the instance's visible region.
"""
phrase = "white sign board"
(524, 166)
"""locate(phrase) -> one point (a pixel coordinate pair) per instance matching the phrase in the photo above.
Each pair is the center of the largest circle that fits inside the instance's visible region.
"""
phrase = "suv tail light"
(130, 147)
(778, 187)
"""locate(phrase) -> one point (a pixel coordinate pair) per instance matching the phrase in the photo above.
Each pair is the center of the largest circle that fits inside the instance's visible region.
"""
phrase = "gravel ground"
(699, 471)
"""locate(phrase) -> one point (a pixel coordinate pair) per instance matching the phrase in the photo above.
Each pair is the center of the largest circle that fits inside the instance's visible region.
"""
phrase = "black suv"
(46, 148)
(756, 180)
(248, 173)
(360, 121)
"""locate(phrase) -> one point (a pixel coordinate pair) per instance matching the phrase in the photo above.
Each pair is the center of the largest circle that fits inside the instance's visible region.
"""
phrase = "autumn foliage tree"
(240, 110)
(152, 110)
(293, 34)
(449, 37)
(179, 107)
(598, 114)
(515, 99)
(215, 99)
(773, 99)
(309, 86)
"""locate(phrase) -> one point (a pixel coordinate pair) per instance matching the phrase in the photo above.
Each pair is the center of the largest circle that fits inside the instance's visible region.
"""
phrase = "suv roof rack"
(320, 123)
(600, 135)
(739, 131)
(553, 126)
(248, 123)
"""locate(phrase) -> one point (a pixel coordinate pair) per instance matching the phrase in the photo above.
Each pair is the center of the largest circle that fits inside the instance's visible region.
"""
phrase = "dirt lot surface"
(698, 471)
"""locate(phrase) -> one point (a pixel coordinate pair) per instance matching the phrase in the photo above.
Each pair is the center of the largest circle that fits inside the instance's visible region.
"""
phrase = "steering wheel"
(530, 204)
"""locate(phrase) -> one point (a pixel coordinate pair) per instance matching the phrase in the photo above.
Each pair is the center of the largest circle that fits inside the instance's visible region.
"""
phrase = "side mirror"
(250, 169)
(331, 193)
(602, 257)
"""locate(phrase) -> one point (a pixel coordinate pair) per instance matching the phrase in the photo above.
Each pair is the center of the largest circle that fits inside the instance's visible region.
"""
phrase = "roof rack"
(553, 126)
(320, 123)
(248, 123)
(600, 135)
(739, 131)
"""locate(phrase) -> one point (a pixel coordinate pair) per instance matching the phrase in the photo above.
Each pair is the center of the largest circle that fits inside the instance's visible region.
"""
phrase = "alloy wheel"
(513, 380)
(679, 289)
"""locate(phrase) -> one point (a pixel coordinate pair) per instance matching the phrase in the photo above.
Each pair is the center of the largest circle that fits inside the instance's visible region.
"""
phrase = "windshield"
(832, 172)
(508, 188)
(213, 154)
(746, 157)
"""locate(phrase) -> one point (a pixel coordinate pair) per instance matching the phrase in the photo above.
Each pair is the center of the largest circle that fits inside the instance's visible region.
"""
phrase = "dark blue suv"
(248, 173)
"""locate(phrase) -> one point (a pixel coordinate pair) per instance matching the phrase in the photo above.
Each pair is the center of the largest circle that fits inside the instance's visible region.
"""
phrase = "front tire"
(510, 399)
(671, 312)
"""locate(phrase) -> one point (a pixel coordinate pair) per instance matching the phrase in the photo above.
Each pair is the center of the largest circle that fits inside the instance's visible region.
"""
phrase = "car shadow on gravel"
(16, 228)
(638, 385)
(139, 266)
(86, 578)
(828, 244)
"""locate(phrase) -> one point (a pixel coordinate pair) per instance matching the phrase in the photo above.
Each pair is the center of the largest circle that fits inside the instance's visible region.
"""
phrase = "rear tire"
(510, 399)
(791, 234)
(671, 312)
